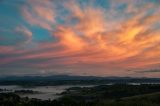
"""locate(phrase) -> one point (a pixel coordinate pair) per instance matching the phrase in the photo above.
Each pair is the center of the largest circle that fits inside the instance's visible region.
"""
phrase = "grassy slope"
(152, 99)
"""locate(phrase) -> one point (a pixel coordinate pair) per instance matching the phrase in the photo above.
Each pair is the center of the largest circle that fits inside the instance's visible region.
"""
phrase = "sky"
(80, 37)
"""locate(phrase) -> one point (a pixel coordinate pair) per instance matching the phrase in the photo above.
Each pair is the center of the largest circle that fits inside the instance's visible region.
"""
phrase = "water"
(50, 92)
(46, 92)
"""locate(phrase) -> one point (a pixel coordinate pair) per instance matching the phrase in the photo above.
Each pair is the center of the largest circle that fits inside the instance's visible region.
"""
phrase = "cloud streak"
(39, 13)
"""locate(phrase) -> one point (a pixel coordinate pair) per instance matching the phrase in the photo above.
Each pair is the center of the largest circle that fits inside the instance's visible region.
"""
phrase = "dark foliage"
(104, 95)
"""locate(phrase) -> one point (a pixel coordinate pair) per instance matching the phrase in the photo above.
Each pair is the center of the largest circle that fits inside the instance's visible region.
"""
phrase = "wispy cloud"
(150, 71)
(102, 41)
(39, 13)
(23, 30)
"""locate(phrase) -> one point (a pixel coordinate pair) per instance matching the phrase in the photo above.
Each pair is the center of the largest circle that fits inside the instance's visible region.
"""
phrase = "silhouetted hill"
(67, 79)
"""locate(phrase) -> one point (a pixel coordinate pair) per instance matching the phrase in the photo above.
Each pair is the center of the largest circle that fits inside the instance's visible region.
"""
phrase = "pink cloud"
(39, 13)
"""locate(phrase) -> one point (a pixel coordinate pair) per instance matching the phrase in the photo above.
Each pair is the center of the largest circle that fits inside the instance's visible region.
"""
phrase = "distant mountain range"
(67, 79)
(53, 77)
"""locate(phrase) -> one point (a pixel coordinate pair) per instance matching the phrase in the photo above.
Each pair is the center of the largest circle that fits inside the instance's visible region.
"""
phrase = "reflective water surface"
(45, 92)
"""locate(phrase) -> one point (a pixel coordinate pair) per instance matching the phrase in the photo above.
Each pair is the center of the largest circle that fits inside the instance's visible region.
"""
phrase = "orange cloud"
(130, 40)
(90, 35)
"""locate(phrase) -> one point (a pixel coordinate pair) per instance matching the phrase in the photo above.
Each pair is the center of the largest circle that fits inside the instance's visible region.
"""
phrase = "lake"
(46, 92)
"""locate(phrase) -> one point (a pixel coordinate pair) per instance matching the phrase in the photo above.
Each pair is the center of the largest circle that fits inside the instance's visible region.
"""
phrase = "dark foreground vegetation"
(104, 95)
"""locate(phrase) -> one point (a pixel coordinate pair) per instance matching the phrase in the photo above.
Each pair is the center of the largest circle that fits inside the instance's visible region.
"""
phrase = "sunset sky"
(80, 37)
